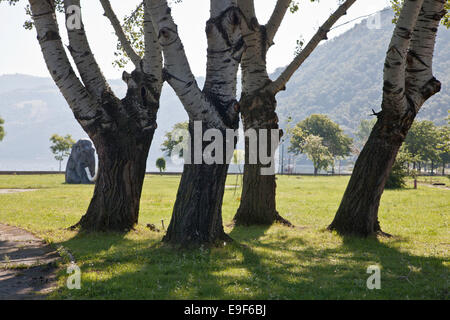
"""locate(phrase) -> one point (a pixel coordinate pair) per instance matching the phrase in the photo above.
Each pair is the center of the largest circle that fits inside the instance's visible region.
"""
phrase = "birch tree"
(197, 213)
(121, 129)
(408, 83)
(258, 103)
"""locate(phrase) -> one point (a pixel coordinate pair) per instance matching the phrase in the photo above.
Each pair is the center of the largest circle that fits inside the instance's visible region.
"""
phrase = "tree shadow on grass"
(254, 267)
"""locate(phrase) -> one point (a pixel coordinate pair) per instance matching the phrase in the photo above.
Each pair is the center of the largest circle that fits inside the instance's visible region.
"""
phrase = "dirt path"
(5, 191)
(27, 265)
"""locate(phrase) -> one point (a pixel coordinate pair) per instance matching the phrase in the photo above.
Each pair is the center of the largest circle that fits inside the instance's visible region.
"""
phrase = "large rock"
(81, 165)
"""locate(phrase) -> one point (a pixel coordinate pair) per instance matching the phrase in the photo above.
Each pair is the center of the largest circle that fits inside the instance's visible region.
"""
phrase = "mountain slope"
(34, 109)
(343, 78)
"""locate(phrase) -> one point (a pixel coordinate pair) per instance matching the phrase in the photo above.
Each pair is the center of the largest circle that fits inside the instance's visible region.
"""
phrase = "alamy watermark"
(374, 281)
(374, 21)
(73, 18)
(74, 278)
(262, 146)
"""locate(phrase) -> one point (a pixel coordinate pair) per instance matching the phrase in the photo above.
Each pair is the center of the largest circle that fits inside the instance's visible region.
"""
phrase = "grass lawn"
(307, 262)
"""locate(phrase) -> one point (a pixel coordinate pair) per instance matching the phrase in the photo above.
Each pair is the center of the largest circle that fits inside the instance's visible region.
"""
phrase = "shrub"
(397, 177)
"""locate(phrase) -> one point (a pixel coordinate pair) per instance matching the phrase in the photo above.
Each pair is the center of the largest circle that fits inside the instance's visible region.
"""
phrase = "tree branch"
(225, 47)
(419, 71)
(253, 63)
(320, 35)
(275, 20)
(84, 107)
(152, 61)
(109, 13)
(81, 53)
(395, 63)
(177, 71)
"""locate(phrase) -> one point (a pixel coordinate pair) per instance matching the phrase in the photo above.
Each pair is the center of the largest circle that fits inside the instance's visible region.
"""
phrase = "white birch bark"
(177, 70)
(253, 64)
(80, 50)
(152, 61)
(83, 105)
(394, 97)
(225, 47)
(420, 82)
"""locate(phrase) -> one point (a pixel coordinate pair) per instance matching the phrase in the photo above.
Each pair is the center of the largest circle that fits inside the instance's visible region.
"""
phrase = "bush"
(397, 177)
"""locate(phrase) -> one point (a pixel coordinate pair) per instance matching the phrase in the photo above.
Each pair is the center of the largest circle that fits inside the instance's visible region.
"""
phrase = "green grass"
(307, 262)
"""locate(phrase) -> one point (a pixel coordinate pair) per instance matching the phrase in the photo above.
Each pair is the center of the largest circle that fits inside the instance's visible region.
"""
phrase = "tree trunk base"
(197, 214)
(115, 204)
(258, 203)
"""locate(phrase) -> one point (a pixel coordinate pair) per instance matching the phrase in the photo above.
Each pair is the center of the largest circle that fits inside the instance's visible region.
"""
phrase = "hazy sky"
(21, 54)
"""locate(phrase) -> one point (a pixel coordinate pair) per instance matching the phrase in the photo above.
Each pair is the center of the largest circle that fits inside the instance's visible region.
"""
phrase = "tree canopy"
(317, 152)
(338, 143)
(173, 138)
(61, 147)
(422, 141)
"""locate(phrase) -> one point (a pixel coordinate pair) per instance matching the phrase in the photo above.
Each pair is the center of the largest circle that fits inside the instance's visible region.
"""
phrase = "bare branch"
(109, 13)
(320, 35)
(81, 53)
(277, 17)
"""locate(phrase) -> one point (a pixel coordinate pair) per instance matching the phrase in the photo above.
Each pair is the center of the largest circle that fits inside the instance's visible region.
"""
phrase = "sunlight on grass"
(305, 262)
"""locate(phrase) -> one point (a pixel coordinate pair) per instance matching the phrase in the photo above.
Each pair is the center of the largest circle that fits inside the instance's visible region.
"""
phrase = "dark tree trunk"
(122, 137)
(197, 213)
(315, 171)
(358, 211)
(443, 168)
(117, 193)
(258, 202)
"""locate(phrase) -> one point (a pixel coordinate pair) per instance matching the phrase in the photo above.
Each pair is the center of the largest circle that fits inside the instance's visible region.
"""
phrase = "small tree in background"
(61, 147)
(338, 144)
(173, 138)
(318, 153)
(2, 131)
(161, 164)
(314, 149)
(422, 142)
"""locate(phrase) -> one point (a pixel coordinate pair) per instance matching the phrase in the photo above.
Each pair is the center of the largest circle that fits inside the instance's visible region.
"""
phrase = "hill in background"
(342, 78)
